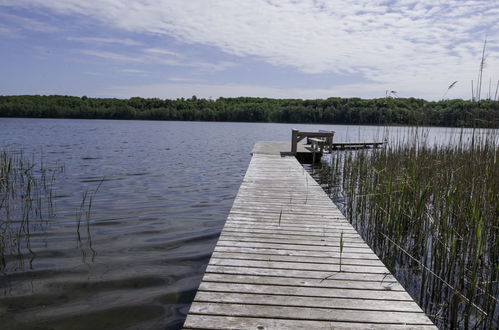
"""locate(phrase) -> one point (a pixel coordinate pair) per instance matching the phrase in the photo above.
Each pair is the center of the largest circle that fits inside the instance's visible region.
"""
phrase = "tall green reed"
(26, 203)
(431, 212)
(85, 209)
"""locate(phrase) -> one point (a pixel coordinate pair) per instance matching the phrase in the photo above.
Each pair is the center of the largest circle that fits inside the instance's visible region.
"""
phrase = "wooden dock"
(277, 262)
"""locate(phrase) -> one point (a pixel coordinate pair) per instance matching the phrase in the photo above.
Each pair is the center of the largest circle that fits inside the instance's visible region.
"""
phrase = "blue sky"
(266, 48)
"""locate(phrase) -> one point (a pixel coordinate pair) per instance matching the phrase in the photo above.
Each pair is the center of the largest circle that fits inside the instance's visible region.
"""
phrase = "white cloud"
(169, 57)
(185, 80)
(26, 23)
(157, 56)
(134, 71)
(160, 51)
(211, 67)
(418, 46)
(110, 55)
(95, 40)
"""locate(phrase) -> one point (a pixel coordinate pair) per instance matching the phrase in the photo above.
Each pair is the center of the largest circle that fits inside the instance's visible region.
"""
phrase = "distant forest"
(382, 111)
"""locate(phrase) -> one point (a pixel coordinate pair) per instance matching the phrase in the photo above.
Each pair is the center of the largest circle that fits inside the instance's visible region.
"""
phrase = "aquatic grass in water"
(431, 212)
(26, 204)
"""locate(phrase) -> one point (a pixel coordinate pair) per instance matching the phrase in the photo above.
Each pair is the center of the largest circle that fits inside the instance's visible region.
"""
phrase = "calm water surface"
(165, 191)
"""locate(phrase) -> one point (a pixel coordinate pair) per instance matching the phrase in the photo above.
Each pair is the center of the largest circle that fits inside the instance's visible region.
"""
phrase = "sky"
(304, 49)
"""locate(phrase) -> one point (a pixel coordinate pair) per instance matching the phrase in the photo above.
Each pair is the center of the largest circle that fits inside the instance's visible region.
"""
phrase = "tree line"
(381, 111)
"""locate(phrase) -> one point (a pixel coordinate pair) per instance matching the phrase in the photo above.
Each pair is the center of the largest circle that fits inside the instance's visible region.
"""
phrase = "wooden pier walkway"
(277, 262)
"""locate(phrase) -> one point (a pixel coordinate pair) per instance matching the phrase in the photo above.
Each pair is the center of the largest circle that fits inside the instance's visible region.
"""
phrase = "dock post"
(331, 142)
(294, 140)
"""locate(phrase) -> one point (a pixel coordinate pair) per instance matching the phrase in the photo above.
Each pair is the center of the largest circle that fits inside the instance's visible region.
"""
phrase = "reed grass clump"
(431, 212)
(26, 202)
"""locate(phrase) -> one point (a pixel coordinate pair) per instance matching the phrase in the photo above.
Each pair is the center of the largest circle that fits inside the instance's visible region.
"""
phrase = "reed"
(26, 203)
(431, 213)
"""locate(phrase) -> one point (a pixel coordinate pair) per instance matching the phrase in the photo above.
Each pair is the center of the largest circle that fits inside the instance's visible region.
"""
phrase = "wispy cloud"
(211, 67)
(161, 51)
(414, 44)
(7, 31)
(95, 40)
(173, 58)
(110, 55)
(134, 71)
(185, 80)
(25, 23)
(158, 56)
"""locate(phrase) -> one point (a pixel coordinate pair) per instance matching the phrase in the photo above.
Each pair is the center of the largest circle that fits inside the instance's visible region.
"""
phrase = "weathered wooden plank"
(307, 274)
(294, 239)
(350, 247)
(326, 220)
(330, 220)
(281, 198)
(305, 313)
(250, 223)
(332, 267)
(352, 240)
(305, 291)
(307, 282)
(286, 223)
(291, 215)
(298, 253)
(312, 302)
(283, 246)
(296, 259)
(292, 245)
(299, 207)
(323, 212)
(230, 227)
(200, 321)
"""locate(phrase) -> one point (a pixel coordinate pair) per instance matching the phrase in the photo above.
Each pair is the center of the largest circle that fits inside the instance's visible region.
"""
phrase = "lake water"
(165, 191)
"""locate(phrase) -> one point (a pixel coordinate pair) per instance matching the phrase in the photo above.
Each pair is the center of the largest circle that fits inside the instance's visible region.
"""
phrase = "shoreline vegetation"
(381, 111)
(430, 212)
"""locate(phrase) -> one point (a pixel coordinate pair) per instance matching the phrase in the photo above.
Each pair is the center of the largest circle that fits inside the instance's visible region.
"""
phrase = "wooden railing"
(356, 145)
(319, 140)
